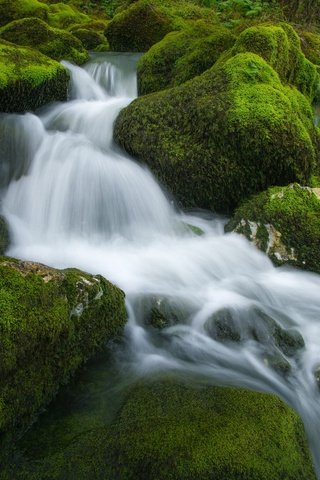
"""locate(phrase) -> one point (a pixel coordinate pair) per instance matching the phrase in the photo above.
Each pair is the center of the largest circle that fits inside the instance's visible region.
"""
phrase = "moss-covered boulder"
(182, 55)
(284, 222)
(310, 45)
(90, 38)
(55, 43)
(280, 46)
(51, 322)
(172, 431)
(28, 79)
(231, 132)
(61, 15)
(166, 430)
(4, 235)
(137, 28)
(14, 9)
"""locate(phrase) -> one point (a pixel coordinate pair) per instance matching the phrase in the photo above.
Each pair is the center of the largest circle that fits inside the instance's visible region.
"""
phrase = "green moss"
(29, 79)
(89, 38)
(55, 43)
(310, 45)
(279, 45)
(182, 55)
(62, 16)
(146, 22)
(4, 235)
(50, 322)
(172, 431)
(294, 212)
(14, 9)
(166, 430)
(224, 135)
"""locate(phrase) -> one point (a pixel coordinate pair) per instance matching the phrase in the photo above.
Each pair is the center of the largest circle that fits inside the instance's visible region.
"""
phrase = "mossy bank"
(51, 322)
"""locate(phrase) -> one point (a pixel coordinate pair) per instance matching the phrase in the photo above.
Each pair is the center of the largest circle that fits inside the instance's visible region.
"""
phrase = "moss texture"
(169, 431)
(182, 55)
(61, 15)
(4, 235)
(310, 44)
(279, 45)
(14, 9)
(90, 38)
(293, 212)
(51, 322)
(231, 132)
(29, 79)
(146, 22)
(55, 43)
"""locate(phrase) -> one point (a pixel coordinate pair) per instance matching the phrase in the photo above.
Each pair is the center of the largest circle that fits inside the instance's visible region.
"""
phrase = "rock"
(228, 133)
(61, 15)
(284, 222)
(28, 79)
(137, 28)
(162, 312)
(4, 235)
(14, 9)
(51, 322)
(90, 38)
(182, 55)
(168, 430)
(55, 43)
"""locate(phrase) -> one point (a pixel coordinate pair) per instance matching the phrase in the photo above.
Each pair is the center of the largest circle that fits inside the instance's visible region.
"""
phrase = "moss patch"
(55, 43)
(61, 15)
(51, 322)
(169, 431)
(15, 9)
(294, 213)
(182, 55)
(310, 45)
(231, 132)
(146, 22)
(4, 235)
(29, 79)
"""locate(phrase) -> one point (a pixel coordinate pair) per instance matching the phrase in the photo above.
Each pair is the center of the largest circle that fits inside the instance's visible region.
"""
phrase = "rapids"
(72, 198)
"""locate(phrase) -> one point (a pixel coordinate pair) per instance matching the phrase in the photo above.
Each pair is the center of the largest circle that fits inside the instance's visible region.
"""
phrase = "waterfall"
(72, 198)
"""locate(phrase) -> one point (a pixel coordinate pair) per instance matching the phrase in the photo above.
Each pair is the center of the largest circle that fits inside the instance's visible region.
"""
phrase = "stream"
(74, 199)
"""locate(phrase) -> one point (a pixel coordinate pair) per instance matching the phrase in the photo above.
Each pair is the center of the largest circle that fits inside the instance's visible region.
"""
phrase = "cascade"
(72, 198)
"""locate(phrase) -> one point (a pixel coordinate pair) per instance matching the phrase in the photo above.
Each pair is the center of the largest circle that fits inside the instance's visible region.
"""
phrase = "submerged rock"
(51, 322)
(55, 43)
(167, 430)
(28, 79)
(284, 222)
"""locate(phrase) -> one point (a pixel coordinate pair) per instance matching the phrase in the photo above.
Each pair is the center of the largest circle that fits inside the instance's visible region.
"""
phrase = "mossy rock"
(138, 28)
(182, 55)
(90, 38)
(310, 45)
(166, 430)
(55, 43)
(4, 235)
(28, 79)
(51, 322)
(280, 46)
(289, 225)
(61, 15)
(222, 136)
(173, 431)
(15, 9)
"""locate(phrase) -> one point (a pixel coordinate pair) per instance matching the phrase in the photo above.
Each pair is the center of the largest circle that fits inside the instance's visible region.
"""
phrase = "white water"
(75, 200)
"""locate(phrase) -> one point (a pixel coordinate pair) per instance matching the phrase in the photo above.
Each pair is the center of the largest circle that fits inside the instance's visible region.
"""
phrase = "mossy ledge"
(284, 222)
(28, 79)
(51, 322)
(166, 430)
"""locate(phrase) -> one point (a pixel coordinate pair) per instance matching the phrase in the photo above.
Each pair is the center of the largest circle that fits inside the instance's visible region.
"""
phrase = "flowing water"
(72, 198)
